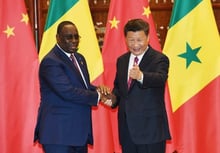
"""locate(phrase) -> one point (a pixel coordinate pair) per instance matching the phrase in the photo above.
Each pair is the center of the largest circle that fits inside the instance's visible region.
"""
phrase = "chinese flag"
(120, 11)
(193, 47)
(19, 88)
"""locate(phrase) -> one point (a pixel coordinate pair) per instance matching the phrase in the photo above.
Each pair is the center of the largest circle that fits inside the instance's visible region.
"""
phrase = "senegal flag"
(193, 47)
(78, 12)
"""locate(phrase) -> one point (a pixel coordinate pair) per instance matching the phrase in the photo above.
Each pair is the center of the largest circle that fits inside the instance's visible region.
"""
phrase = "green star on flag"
(190, 55)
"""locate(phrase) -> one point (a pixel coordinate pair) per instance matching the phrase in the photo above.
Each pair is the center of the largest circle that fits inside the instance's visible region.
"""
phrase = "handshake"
(106, 96)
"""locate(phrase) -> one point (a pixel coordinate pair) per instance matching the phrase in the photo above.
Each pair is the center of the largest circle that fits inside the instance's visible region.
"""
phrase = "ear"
(57, 37)
(148, 38)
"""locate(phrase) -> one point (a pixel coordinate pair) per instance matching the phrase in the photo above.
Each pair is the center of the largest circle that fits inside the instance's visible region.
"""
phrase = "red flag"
(19, 89)
(114, 44)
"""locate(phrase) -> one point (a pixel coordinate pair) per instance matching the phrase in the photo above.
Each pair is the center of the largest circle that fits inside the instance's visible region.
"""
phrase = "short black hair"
(136, 25)
(62, 24)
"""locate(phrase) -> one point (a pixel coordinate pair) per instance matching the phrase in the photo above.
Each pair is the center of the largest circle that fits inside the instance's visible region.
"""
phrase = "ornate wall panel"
(161, 10)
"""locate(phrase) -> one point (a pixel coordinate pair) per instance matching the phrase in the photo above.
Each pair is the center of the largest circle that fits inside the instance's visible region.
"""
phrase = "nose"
(136, 43)
(73, 39)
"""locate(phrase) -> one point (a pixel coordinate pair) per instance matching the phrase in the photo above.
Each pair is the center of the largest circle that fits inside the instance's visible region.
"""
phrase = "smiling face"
(137, 42)
(68, 38)
(136, 32)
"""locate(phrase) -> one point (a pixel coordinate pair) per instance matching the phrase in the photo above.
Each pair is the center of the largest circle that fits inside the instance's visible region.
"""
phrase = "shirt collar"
(139, 56)
(67, 54)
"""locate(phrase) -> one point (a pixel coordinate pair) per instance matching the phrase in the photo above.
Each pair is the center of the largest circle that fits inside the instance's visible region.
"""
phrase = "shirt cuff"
(99, 96)
(142, 78)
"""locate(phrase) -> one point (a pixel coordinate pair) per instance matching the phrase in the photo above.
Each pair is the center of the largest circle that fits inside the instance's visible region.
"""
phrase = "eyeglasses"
(71, 36)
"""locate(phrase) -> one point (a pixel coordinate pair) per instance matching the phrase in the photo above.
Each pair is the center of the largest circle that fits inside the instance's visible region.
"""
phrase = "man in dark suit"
(64, 121)
(139, 91)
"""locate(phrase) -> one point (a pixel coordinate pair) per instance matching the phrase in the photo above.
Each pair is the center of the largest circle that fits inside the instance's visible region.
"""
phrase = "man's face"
(137, 42)
(68, 39)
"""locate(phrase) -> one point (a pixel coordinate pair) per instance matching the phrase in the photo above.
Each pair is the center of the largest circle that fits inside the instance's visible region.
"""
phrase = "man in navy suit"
(139, 92)
(64, 121)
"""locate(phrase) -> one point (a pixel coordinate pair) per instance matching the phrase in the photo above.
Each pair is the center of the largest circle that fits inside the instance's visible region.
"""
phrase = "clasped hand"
(106, 97)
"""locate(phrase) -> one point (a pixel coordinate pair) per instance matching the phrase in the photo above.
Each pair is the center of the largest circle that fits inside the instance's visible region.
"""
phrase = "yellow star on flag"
(9, 31)
(25, 18)
(114, 23)
(147, 11)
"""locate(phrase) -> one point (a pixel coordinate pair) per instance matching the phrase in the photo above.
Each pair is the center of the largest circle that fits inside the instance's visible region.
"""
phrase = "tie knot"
(136, 60)
(72, 56)
(73, 59)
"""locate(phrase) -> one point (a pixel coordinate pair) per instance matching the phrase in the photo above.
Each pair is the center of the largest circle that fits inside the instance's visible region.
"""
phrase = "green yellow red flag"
(78, 12)
(193, 45)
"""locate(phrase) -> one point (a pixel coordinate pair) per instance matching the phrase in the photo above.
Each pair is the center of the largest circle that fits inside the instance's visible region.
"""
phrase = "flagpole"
(36, 28)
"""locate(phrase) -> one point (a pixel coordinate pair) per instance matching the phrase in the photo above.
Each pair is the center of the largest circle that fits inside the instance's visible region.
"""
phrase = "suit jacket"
(65, 109)
(142, 106)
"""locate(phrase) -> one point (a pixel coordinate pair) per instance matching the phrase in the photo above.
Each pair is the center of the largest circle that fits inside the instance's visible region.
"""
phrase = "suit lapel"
(146, 59)
(124, 67)
(82, 65)
(67, 60)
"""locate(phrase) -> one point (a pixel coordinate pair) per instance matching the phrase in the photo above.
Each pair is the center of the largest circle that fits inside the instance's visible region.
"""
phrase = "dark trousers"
(145, 148)
(129, 147)
(52, 148)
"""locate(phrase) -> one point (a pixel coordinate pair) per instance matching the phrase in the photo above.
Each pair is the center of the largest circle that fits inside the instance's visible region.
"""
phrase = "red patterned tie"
(74, 61)
(73, 58)
(135, 63)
